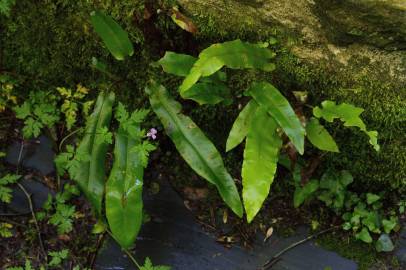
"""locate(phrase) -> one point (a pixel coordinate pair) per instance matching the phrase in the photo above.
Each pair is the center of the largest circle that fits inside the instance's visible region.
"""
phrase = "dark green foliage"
(65, 43)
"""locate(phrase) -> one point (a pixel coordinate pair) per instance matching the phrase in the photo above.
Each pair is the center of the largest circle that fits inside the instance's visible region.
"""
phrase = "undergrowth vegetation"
(104, 143)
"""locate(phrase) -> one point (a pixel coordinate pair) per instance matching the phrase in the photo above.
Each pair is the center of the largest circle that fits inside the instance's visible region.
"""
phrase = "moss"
(384, 111)
(382, 98)
(363, 254)
(64, 44)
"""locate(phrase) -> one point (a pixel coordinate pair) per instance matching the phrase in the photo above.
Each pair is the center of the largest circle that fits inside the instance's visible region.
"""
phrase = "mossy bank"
(50, 44)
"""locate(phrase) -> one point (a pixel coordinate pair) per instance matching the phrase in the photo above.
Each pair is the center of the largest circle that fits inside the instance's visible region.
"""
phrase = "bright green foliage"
(113, 36)
(241, 125)
(148, 266)
(347, 113)
(208, 93)
(62, 218)
(265, 94)
(260, 161)
(143, 149)
(38, 111)
(333, 187)
(177, 64)
(319, 136)
(371, 198)
(201, 155)
(5, 192)
(5, 197)
(366, 218)
(62, 160)
(88, 165)
(390, 224)
(5, 7)
(210, 90)
(71, 99)
(57, 257)
(27, 266)
(124, 185)
(364, 235)
(130, 123)
(233, 54)
(303, 193)
(5, 231)
(58, 211)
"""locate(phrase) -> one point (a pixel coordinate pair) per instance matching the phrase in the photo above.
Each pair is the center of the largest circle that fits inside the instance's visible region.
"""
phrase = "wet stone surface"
(401, 248)
(37, 154)
(19, 203)
(174, 238)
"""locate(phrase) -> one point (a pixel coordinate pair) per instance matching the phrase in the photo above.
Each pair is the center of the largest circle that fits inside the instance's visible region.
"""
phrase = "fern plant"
(38, 112)
(265, 118)
(262, 122)
(58, 211)
(267, 121)
(71, 101)
(86, 165)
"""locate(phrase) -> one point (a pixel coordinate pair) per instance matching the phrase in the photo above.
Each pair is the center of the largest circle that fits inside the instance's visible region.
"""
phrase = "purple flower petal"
(152, 133)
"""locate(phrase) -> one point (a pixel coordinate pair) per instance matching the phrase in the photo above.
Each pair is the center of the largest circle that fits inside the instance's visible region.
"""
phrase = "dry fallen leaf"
(183, 22)
(187, 205)
(225, 216)
(268, 234)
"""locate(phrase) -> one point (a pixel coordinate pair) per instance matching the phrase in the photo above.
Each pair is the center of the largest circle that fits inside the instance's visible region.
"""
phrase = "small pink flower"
(152, 133)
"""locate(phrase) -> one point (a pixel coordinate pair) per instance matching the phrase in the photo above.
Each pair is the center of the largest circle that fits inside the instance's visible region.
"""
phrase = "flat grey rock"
(19, 203)
(401, 248)
(37, 155)
(174, 238)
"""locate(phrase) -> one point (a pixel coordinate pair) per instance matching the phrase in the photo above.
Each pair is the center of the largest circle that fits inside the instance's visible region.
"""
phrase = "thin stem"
(276, 258)
(35, 220)
(20, 154)
(132, 258)
(14, 214)
(13, 222)
(126, 252)
(99, 242)
(30, 204)
(66, 137)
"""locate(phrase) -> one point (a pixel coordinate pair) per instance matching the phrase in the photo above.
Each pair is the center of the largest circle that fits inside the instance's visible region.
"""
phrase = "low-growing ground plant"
(268, 122)
(268, 126)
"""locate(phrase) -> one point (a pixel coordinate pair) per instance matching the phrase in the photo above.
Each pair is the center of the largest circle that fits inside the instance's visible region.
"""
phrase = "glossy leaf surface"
(113, 36)
(241, 125)
(197, 150)
(124, 191)
(347, 113)
(176, 63)
(265, 94)
(208, 93)
(320, 137)
(260, 161)
(233, 54)
(88, 169)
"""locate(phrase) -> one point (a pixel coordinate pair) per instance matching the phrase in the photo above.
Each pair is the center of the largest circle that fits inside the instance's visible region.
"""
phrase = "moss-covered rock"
(348, 51)
(51, 43)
